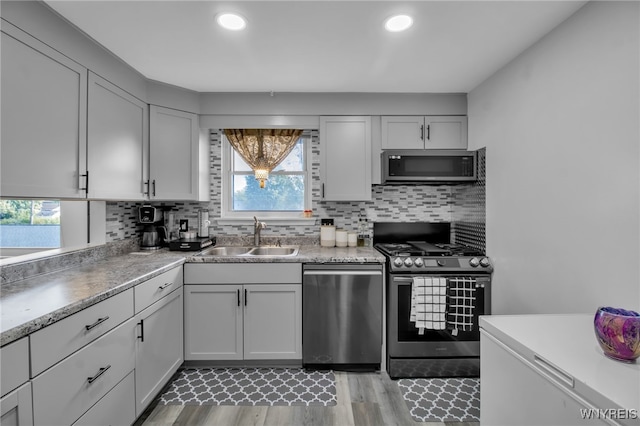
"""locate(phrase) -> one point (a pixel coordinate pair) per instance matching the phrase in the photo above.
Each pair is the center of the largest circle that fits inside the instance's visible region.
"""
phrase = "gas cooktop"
(423, 248)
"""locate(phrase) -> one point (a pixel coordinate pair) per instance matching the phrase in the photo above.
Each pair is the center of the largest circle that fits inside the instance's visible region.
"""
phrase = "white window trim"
(230, 217)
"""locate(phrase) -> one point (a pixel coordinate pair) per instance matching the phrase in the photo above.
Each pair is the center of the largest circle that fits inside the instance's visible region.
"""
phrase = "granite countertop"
(30, 304)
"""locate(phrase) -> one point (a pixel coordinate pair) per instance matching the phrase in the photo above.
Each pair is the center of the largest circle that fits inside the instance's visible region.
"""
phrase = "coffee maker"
(154, 234)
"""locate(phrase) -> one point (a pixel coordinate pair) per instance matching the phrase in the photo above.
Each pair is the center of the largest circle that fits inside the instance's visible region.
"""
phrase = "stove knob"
(418, 262)
(441, 262)
(474, 261)
(408, 262)
(397, 262)
(484, 262)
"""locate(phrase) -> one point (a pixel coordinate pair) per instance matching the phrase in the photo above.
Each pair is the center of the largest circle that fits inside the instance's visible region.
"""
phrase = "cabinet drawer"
(52, 344)
(243, 273)
(65, 392)
(14, 364)
(116, 408)
(156, 288)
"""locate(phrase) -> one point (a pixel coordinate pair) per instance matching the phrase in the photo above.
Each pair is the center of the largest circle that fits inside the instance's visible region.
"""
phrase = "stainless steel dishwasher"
(342, 316)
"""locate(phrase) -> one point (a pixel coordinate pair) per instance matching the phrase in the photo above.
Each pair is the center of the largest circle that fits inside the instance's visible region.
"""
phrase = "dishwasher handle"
(341, 272)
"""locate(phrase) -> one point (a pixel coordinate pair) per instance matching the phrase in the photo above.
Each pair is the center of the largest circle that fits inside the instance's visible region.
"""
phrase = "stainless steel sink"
(225, 251)
(243, 251)
(273, 251)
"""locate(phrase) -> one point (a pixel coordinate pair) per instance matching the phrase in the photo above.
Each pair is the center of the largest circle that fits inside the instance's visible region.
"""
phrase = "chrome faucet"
(257, 227)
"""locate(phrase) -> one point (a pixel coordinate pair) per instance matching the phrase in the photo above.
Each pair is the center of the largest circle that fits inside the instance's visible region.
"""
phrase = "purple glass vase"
(618, 333)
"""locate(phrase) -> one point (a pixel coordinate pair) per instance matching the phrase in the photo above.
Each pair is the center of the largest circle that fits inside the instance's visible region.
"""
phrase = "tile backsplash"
(463, 205)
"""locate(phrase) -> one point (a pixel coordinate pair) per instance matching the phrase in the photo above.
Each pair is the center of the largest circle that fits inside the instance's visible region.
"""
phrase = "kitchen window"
(29, 225)
(287, 191)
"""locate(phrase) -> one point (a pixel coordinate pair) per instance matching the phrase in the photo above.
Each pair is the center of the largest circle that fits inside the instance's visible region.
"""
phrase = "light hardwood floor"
(363, 399)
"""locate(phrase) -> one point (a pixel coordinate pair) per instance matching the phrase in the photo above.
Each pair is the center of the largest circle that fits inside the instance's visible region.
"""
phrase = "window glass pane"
(29, 223)
(239, 165)
(294, 161)
(281, 193)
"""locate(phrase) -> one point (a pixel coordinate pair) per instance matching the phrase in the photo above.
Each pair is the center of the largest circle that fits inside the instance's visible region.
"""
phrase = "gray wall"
(561, 124)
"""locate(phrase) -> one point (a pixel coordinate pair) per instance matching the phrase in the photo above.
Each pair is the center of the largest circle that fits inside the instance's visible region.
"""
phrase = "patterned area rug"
(440, 400)
(251, 386)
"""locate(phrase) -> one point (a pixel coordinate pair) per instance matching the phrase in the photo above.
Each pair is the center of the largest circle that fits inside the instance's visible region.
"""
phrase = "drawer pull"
(98, 374)
(97, 323)
(165, 285)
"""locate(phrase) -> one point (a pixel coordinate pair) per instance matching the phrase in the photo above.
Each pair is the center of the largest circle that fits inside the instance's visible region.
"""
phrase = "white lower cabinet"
(118, 407)
(16, 403)
(243, 312)
(272, 321)
(16, 408)
(70, 388)
(159, 346)
(213, 322)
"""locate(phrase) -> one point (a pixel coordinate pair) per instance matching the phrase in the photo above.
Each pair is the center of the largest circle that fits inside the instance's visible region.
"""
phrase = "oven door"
(407, 341)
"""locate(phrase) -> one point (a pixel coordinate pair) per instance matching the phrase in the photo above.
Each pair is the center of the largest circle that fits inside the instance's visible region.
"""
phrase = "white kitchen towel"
(428, 303)
(462, 303)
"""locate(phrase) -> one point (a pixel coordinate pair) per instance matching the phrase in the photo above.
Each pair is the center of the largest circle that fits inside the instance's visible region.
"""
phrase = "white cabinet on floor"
(117, 142)
(174, 150)
(243, 311)
(44, 97)
(424, 132)
(550, 370)
(159, 344)
(345, 149)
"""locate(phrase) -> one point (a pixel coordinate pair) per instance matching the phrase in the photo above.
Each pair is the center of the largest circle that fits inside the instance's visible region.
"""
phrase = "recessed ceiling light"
(398, 23)
(231, 21)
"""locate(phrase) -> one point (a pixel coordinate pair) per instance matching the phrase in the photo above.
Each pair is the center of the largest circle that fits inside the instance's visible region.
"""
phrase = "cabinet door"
(403, 132)
(159, 348)
(445, 132)
(67, 390)
(273, 321)
(16, 408)
(213, 322)
(505, 401)
(345, 144)
(43, 132)
(173, 154)
(117, 142)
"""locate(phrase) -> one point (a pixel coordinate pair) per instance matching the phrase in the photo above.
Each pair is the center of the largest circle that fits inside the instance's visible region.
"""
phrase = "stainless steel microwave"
(429, 166)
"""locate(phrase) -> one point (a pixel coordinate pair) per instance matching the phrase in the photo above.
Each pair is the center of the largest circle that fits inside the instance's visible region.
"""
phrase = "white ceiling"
(317, 46)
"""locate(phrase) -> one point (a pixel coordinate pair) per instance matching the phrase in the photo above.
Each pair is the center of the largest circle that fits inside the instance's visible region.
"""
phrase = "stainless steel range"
(435, 292)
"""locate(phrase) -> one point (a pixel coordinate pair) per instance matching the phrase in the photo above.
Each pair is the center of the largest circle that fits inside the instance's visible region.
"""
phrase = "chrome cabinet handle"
(163, 286)
(153, 183)
(238, 297)
(429, 132)
(146, 183)
(98, 374)
(245, 297)
(422, 132)
(97, 323)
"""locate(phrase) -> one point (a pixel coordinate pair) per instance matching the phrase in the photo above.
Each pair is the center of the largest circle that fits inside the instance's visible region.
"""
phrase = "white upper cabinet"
(117, 142)
(424, 132)
(174, 154)
(345, 146)
(44, 97)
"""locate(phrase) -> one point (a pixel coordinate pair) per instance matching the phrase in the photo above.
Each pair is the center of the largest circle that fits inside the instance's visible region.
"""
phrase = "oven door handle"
(402, 279)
